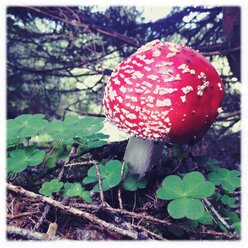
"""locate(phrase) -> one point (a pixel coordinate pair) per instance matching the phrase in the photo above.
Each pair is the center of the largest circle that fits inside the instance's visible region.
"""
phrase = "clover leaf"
(110, 175)
(132, 183)
(183, 192)
(53, 186)
(75, 189)
(229, 201)
(24, 126)
(63, 130)
(88, 126)
(186, 207)
(74, 127)
(228, 179)
(22, 158)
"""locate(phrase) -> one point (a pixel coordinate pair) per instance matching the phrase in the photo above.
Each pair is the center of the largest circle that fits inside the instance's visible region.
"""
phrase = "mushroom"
(164, 92)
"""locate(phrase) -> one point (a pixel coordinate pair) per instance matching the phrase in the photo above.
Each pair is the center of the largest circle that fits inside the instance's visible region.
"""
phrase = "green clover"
(110, 175)
(24, 126)
(74, 127)
(22, 158)
(53, 186)
(185, 194)
(75, 189)
(132, 183)
(228, 179)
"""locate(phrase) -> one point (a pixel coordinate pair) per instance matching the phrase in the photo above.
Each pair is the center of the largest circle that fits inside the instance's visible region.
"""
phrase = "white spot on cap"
(112, 94)
(137, 63)
(163, 64)
(156, 135)
(202, 88)
(148, 61)
(129, 71)
(147, 68)
(156, 53)
(162, 91)
(123, 89)
(149, 85)
(150, 98)
(119, 98)
(163, 103)
(127, 80)
(116, 81)
(134, 99)
(131, 116)
(137, 74)
(172, 78)
(187, 89)
(152, 77)
(141, 57)
(183, 98)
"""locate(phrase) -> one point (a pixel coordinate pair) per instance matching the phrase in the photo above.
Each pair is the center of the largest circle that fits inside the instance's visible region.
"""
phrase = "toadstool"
(164, 92)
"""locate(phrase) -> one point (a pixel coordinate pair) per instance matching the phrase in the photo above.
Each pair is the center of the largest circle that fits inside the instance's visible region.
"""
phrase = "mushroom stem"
(141, 155)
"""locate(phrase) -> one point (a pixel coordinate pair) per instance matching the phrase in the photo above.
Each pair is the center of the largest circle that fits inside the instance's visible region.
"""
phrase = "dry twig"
(31, 235)
(71, 210)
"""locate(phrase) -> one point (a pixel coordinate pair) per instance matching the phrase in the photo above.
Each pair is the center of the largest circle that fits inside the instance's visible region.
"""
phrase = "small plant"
(20, 159)
(228, 179)
(132, 183)
(75, 189)
(184, 194)
(53, 186)
(110, 175)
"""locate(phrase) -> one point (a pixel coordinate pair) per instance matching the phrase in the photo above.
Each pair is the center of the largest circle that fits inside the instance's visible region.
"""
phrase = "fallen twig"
(119, 189)
(100, 184)
(214, 211)
(152, 234)
(30, 234)
(71, 210)
(83, 163)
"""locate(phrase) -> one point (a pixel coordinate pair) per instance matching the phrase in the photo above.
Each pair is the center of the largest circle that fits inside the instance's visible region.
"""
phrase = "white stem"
(141, 155)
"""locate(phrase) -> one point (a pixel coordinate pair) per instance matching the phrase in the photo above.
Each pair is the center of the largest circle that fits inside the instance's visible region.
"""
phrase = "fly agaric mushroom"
(164, 92)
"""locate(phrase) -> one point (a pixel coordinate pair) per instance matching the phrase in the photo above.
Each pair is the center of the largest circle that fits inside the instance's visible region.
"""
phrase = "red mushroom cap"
(164, 91)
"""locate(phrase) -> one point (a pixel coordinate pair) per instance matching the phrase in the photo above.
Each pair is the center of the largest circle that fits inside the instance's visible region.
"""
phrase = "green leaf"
(53, 186)
(52, 158)
(142, 183)
(113, 177)
(13, 130)
(88, 126)
(186, 207)
(86, 196)
(228, 179)
(132, 183)
(62, 130)
(206, 218)
(90, 179)
(73, 189)
(24, 126)
(195, 185)
(182, 192)
(95, 144)
(229, 201)
(20, 159)
(110, 175)
(172, 188)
